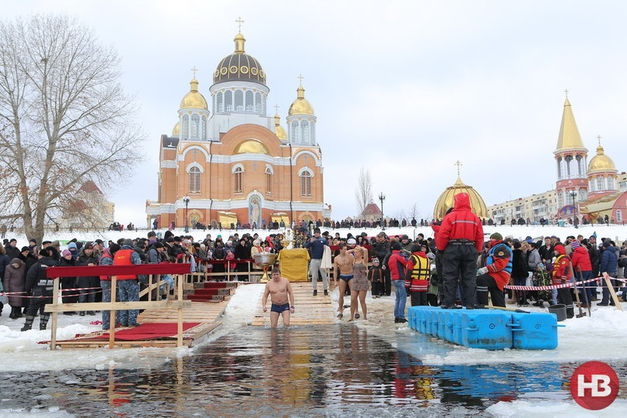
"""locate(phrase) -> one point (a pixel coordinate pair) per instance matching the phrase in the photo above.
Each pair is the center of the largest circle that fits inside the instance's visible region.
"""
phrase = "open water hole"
(304, 371)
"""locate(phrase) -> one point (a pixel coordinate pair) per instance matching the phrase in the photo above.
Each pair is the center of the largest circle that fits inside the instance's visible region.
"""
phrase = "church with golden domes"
(584, 192)
(228, 164)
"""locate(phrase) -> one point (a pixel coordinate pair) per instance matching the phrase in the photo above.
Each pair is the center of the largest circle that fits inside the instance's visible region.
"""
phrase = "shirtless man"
(281, 296)
(343, 271)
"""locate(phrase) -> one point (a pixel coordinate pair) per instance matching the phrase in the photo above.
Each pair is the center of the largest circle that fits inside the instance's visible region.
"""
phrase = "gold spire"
(569, 138)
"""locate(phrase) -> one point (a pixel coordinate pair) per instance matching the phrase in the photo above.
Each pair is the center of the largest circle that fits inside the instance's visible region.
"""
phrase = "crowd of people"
(459, 268)
(456, 268)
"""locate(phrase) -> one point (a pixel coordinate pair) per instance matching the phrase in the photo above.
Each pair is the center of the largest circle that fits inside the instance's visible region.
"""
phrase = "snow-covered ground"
(596, 337)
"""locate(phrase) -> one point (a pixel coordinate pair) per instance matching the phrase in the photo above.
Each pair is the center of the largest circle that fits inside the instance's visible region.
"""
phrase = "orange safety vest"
(123, 258)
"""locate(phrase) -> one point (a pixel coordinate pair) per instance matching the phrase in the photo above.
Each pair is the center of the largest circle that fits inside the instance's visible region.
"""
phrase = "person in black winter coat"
(520, 272)
(90, 285)
(40, 287)
(381, 250)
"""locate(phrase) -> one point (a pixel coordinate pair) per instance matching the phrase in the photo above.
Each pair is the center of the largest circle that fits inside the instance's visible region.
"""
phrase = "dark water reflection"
(308, 371)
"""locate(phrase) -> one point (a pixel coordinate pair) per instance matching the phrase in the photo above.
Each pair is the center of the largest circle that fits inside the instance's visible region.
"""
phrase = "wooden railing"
(178, 270)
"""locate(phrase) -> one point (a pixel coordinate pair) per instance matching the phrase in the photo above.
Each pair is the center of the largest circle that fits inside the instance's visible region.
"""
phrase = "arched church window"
(220, 102)
(194, 180)
(295, 132)
(250, 105)
(228, 101)
(600, 184)
(185, 127)
(258, 103)
(305, 183)
(203, 128)
(239, 101)
(195, 128)
(306, 133)
(237, 179)
(268, 180)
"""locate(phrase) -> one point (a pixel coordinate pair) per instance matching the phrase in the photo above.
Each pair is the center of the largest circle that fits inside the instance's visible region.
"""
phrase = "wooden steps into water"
(211, 291)
(309, 309)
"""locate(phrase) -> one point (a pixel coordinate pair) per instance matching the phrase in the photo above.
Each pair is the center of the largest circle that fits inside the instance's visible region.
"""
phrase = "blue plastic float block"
(486, 329)
(534, 331)
(450, 318)
(419, 316)
(442, 315)
(456, 327)
(411, 319)
(432, 323)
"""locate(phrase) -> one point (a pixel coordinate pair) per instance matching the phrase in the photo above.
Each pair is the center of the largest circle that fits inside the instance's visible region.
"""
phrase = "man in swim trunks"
(281, 297)
(342, 274)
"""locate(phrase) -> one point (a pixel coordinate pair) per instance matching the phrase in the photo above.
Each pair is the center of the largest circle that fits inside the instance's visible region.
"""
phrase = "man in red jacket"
(460, 239)
(582, 266)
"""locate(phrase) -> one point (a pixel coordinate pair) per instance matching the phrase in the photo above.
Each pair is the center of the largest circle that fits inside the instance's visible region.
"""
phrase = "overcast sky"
(403, 89)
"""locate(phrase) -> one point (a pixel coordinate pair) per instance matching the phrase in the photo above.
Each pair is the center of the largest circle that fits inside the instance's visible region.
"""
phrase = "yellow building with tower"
(227, 163)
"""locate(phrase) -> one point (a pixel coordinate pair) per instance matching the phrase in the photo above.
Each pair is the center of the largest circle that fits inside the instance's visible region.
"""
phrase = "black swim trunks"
(280, 308)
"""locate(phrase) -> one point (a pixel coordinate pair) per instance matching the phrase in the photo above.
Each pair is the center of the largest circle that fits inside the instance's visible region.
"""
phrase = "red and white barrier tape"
(560, 286)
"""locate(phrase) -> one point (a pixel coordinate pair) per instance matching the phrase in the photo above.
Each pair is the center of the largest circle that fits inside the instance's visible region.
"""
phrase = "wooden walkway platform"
(309, 309)
(206, 314)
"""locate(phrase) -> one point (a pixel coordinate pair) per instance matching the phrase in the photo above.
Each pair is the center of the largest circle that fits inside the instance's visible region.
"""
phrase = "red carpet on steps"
(149, 331)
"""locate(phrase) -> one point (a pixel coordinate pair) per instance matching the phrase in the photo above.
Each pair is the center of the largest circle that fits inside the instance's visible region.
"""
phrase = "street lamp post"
(573, 194)
(382, 198)
(186, 200)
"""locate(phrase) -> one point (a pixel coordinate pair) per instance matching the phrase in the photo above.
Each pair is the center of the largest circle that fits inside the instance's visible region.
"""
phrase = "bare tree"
(413, 211)
(64, 120)
(363, 194)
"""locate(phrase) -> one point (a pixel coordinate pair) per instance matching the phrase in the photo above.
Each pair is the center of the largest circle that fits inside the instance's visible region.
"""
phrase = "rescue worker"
(40, 287)
(460, 239)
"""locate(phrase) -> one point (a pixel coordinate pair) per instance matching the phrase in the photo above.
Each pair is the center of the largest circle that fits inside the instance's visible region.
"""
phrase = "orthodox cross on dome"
(239, 22)
(459, 166)
(276, 109)
(599, 139)
(300, 79)
(566, 93)
(194, 70)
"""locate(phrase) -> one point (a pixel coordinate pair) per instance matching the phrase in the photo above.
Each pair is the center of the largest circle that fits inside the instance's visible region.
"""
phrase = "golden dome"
(251, 146)
(176, 131)
(239, 66)
(445, 201)
(601, 162)
(278, 129)
(194, 99)
(300, 106)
